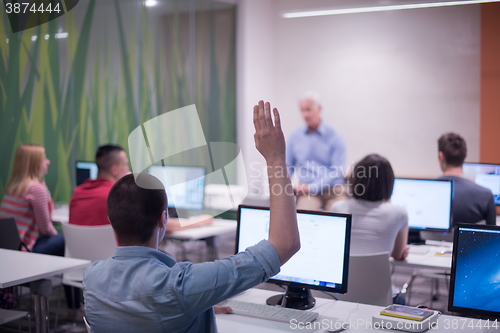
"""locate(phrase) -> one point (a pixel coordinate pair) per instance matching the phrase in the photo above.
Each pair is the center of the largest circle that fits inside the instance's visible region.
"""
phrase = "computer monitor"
(85, 170)
(185, 186)
(428, 202)
(475, 273)
(486, 175)
(322, 262)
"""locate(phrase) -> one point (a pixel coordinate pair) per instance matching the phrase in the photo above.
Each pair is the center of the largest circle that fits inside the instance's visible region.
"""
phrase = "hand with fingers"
(270, 142)
(269, 138)
(222, 309)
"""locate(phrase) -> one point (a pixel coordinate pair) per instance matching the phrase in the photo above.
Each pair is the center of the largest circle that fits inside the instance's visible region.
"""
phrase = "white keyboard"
(269, 312)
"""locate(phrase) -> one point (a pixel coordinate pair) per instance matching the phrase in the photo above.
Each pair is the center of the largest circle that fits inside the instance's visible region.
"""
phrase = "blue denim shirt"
(141, 289)
(318, 158)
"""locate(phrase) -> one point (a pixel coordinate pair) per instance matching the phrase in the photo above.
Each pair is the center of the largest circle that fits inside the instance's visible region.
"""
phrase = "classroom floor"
(421, 290)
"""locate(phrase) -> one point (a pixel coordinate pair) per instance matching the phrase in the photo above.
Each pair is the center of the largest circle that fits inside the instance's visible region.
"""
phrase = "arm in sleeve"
(200, 286)
(399, 251)
(39, 198)
(490, 215)
(334, 175)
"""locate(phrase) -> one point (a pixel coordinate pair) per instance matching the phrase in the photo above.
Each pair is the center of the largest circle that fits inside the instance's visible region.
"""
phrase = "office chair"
(89, 329)
(85, 242)
(9, 236)
(11, 315)
(369, 279)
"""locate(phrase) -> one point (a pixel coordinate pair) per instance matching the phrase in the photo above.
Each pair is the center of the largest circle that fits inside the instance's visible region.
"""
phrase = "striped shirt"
(32, 212)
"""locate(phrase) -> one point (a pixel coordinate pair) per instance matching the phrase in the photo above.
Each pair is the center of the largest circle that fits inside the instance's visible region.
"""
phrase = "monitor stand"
(414, 238)
(295, 298)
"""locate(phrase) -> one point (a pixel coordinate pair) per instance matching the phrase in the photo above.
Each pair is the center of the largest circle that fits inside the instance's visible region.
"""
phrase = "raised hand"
(269, 138)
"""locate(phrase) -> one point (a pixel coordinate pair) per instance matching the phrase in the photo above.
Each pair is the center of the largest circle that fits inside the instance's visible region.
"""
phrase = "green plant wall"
(117, 68)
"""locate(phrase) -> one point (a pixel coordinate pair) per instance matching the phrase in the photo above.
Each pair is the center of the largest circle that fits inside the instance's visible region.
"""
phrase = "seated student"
(27, 199)
(377, 225)
(141, 289)
(88, 203)
(471, 203)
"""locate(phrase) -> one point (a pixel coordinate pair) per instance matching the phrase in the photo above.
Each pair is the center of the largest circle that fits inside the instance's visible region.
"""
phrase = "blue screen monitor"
(428, 202)
(185, 186)
(486, 175)
(322, 261)
(85, 170)
(475, 270)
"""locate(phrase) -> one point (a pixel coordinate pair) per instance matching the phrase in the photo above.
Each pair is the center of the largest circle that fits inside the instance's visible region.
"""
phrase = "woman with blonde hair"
(28, 201)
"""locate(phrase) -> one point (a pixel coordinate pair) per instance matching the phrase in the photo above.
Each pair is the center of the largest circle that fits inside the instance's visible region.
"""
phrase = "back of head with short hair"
(453, 147)
(372, 179)
(134, 210)
(107, 156)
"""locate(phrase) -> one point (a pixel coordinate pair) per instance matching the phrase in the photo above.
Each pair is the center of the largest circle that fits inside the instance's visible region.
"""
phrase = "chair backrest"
(369, 280)
(9, 236)
(88, 242)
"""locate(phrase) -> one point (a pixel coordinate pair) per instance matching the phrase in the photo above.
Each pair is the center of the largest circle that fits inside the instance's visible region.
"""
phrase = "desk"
(424, 256)
(207, 233)
(329, 311)
(22, 267)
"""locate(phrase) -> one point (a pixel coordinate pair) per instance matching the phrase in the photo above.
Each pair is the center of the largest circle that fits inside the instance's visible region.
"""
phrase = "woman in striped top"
(28, 201)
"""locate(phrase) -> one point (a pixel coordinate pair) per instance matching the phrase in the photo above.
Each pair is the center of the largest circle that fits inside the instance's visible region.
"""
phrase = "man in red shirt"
(88, 203)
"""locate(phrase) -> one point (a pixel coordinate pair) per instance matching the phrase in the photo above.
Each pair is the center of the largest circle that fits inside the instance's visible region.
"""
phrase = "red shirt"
(88, 205)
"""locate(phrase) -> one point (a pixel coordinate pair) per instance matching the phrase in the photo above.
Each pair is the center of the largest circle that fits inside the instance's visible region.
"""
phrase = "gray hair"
(311, 96)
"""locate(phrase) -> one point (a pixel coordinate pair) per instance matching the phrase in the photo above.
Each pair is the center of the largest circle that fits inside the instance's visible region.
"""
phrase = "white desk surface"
(20, 267)
(424, 256)
(330, 311)
(217, 228)
(61, 213)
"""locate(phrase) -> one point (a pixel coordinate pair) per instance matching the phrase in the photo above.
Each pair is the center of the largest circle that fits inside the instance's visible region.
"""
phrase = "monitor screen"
(187, 185)
(85, 170)
(323, 259)
(486, 175)
(428, 202)
(475, 273)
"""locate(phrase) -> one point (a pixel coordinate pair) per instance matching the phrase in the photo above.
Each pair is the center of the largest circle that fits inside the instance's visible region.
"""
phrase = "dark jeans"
(54, 245)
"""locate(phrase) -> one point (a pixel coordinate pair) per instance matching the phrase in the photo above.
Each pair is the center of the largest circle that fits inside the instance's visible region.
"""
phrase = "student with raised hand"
(377, 225)
(143, 289)
(27, 199)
